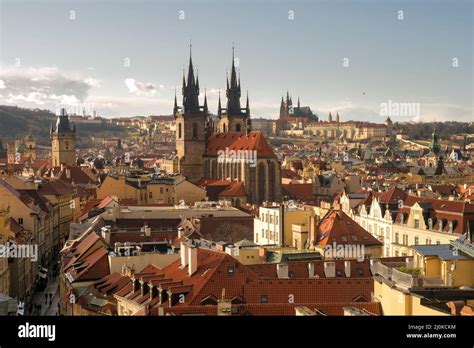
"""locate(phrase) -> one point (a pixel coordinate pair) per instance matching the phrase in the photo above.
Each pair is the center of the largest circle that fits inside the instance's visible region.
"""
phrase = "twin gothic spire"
(190, 92)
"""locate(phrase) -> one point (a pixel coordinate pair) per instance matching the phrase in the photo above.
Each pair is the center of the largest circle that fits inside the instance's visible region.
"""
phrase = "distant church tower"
(233, 118)
(192, 128)
(63, 141)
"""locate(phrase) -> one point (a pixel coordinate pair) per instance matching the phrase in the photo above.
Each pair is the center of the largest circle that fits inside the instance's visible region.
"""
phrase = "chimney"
(147, 230)
(311, 270)
(409, 262)
(329, 269)
(192, 259)
(105, 231)
(184, 254)
(282, 271)
(347, 268)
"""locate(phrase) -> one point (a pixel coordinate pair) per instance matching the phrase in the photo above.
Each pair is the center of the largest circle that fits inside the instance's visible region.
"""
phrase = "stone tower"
(192, 128)
(30, 147)
(63, 141)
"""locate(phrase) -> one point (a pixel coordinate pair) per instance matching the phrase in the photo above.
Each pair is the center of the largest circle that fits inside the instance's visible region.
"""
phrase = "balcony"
(404, 277)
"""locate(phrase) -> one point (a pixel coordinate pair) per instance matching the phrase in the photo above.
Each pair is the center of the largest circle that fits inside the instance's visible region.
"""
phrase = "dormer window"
(430, 223)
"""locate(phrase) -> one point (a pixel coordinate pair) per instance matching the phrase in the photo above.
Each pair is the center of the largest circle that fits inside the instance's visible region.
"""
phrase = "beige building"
(149, 190)
(275, 224)
(351, 130)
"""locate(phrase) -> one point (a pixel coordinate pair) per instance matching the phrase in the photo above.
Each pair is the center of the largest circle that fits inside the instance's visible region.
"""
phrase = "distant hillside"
(444, 130)
(17, 122)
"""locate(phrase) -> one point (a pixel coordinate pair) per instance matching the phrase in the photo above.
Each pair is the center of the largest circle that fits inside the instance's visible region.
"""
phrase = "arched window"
(179, 131)
(238, 127)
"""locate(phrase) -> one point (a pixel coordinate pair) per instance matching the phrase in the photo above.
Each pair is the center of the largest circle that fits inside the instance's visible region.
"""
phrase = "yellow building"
(149, 190)
(424, 285)
(246, 252)
(4, 269)
(274, 225)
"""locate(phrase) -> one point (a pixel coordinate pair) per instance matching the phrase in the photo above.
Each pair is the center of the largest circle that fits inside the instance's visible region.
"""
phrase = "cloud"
(140, 88)
(45, 85)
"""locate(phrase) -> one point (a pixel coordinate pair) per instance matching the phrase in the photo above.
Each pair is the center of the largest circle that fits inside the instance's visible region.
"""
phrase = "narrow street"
(47, 307)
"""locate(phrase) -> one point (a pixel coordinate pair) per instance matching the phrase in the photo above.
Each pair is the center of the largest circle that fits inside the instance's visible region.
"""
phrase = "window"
(428, 241)
(238, 127)
(405, 239)
(179, 131)
(256, 238)
(150, 194)
(20, 221)
(161, 190)
(263, 299)
(417, 241)
(417, 223)
(230, 270)
(438, 242)
(397, 238)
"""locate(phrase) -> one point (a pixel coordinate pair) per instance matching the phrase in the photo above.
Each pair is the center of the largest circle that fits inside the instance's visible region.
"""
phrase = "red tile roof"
(337, 227)
(219, 272)
(239, 141)
(298, 191)
(235, 189)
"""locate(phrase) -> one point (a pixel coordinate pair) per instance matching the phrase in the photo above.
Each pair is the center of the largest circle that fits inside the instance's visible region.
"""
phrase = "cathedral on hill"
(287, 110)
(225, 157)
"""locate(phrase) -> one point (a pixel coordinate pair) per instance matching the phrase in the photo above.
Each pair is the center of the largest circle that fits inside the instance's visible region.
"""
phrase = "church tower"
(30, 147)
(63, 141)
(234, 118)
(192, 127)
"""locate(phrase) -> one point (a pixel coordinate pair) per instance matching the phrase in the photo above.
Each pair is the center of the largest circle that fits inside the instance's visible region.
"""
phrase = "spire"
(247, 106)
(205, 102)
(298, 102)
(233, 90)
(175, 108)
(191, 88)
(219, 107)
(197, 80)
(184, 84)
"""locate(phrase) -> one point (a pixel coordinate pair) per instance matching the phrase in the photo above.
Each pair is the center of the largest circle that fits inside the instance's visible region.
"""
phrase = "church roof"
(236, 189)
(239, 141)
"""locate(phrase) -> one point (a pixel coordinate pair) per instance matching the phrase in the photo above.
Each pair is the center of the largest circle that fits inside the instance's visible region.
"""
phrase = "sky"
(126, 58)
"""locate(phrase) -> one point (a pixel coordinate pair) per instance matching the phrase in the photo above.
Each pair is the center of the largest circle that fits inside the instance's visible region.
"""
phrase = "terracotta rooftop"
(239, 141)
